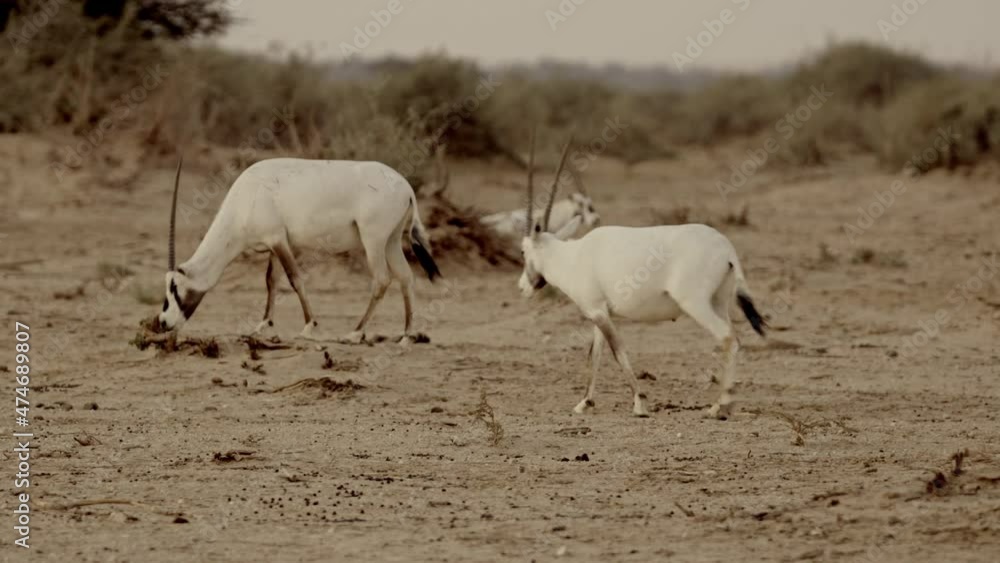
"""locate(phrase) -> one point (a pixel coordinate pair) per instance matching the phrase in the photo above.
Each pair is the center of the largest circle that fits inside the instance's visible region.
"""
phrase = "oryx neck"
(557, 260)
(219, 247)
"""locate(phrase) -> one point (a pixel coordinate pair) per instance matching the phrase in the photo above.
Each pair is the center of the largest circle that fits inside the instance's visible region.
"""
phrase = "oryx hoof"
(263, 327)
(308, 332)
(720, 412)
(584, 406)
(639, 407)
(355, 337)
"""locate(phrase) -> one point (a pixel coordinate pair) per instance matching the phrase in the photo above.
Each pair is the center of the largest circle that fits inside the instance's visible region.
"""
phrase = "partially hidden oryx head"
(535, 235)
(181, 299)
(583, 205)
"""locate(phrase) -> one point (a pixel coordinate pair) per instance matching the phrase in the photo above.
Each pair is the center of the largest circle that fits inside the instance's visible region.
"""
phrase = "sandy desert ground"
(834, 455)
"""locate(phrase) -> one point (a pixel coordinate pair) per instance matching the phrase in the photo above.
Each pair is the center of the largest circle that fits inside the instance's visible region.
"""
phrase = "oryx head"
(181, 299)
(584, 208)
(536, 235)
(583, 205)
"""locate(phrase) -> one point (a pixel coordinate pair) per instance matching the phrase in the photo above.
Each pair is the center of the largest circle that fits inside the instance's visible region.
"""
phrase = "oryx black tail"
(756, 320)
(420, 246)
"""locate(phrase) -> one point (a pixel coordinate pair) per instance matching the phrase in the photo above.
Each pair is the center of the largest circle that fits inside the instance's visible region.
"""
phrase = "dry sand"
(216, 467)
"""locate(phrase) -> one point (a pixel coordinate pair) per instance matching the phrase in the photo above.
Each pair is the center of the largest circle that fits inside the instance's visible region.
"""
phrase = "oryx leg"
(400, 270)
(603, 322)
(381, 278)
(596, 349)
(272, 289)
(287, 259)
(708, 316)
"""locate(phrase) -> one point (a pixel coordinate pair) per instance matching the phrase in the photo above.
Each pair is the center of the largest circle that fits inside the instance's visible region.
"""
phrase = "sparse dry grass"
(484, 412)
(802, 427)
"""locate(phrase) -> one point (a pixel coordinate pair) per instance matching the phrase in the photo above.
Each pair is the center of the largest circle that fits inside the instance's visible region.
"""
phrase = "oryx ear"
(569, 228)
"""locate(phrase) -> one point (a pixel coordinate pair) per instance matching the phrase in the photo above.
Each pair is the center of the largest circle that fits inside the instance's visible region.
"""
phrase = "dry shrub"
(484, 412)
(449, 98)
(861, 74)
(456, 232)
(801, 427)
(731, 107)
(834, 130)
(947, 123)
(73, 71)
(941, 483)
(325, 385)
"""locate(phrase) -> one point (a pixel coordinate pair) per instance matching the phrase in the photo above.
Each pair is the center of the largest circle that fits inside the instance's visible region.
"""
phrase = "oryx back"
(319, 204)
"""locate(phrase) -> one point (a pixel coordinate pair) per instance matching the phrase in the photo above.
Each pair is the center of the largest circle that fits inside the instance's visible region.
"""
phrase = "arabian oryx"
(286, 206)
(571, 213)
(694, 271)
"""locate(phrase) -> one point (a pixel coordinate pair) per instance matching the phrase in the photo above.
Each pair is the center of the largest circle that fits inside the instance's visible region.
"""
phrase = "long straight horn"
(555, 184)
(171, 257)
(531, 184)
(578, 180)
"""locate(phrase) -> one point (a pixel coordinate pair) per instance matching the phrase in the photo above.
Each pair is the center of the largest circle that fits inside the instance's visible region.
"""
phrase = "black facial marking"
(190, 301)
(173, 291)
(166, 304)
(540, 283)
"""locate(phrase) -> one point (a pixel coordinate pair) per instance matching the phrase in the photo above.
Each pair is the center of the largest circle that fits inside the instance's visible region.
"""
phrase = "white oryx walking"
(688, 269)
(286, 206)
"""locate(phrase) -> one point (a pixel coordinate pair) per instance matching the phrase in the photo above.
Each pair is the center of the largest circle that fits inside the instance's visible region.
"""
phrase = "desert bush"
(151, 19)
(589, 110)
(77, 69)
(834, 130)
(72, 70)
(948, 122)
(861, 73)
(448, 96)
(730, 107)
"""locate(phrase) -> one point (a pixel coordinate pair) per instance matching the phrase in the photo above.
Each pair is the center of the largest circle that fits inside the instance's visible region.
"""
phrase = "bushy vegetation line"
(132, 68)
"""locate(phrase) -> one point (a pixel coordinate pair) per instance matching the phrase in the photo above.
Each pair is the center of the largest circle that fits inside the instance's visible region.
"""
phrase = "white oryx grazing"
(571, 214)
(288, 205)
(644, 274)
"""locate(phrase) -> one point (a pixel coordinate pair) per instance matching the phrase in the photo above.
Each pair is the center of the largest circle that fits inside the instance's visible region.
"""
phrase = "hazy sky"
(761, 33)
